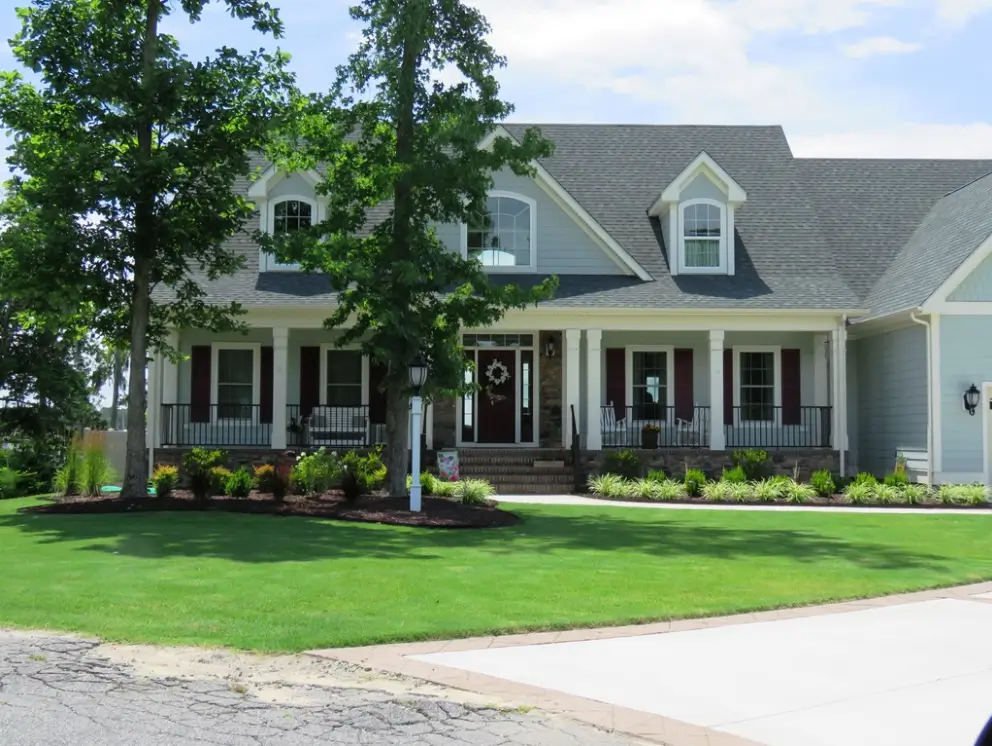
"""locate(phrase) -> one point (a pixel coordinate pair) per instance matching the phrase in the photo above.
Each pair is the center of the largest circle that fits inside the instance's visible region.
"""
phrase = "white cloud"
(900, 141)
(961, 11)
(879, 45)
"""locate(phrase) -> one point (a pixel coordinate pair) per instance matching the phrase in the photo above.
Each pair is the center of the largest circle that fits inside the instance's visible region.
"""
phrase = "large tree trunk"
(397, 430)
(115, 395)
(136, 462)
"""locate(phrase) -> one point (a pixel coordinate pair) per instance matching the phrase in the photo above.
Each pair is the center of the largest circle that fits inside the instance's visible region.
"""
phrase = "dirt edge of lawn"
(436, 512)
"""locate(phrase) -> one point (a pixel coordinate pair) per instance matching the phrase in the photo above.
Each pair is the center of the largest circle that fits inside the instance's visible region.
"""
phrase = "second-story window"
(703, 236)
(291, 215)
(503, 238)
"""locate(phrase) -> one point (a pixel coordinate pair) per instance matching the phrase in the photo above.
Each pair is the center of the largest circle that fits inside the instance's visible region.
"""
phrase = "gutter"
(930, 395)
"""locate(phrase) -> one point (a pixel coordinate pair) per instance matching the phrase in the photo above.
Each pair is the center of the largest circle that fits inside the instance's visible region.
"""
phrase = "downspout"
(930, 445)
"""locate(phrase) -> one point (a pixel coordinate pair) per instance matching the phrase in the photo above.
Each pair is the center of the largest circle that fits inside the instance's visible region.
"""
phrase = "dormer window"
(291, 215)
(503, 239)
(703, 236)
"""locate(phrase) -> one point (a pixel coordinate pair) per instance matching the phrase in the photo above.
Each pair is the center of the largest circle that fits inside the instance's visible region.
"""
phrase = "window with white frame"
(503, 238)
(344, 378)
(235, 387)
(757, 386)
(287, 216)
(703, 239)
(649, 384)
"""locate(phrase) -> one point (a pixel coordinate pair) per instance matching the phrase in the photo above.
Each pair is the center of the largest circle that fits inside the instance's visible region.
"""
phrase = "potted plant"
(649, 436)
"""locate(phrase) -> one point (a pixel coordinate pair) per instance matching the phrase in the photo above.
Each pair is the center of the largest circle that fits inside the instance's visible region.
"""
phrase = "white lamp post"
(418, 375)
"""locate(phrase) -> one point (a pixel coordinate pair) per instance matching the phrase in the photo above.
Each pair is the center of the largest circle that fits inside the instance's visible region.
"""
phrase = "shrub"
(240, 483)
(739, 492)
(199, 467)
(66, 478)
(963, 494)
(95, 470)
(364, 472)
(798, 492)
(896, 479)
(657, 475)
(474, 492)
(914, 494)
(716, 491)
(737, 474)
(218, 480)
(865, 478)
(823, 482)
(164, 479)
(887, 494)
(694, 481)
(9, 483)
(607, 485)
(859, 493)
(670, 490)
(428, 483)
(316, 473)
(271, 480)
(768, 490)
(753, 461)
(441, 488)
(624, 463)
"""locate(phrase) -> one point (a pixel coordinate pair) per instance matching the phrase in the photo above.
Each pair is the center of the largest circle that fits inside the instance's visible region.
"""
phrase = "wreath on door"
(496, 374)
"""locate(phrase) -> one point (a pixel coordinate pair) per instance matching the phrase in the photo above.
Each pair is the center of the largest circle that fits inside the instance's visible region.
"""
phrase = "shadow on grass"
(254, 539)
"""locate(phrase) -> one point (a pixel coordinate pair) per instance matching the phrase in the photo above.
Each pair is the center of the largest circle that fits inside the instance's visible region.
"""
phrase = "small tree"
(125, 157)
(409, 145)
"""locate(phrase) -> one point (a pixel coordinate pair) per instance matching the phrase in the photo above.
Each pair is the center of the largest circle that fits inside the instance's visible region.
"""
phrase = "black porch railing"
(216, 425)
(653, 426)
(763, 426)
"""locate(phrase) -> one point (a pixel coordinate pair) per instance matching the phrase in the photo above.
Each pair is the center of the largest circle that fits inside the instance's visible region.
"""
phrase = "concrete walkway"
(913, 670)
(581, 500)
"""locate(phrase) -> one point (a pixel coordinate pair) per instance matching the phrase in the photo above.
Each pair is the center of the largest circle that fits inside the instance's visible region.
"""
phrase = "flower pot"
(649, 439)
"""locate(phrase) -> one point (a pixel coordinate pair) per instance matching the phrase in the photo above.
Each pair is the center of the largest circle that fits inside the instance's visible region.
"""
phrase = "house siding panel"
(891, 397)
(294, 185)
(966, 358)
(977, 286)
(701, 187)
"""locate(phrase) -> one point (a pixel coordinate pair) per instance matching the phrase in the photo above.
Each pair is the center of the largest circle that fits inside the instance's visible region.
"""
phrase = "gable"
(702, 187)
(977, 286)
(293, 185)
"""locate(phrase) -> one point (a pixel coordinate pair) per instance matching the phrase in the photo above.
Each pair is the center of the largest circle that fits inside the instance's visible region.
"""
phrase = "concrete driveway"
(913, 671)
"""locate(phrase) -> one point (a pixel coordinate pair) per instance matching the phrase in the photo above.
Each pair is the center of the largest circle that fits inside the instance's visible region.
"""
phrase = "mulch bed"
(436, 512)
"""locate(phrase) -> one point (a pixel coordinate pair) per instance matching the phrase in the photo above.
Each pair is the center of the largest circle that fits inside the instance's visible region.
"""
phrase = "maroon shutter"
(791, 388)
(377, 397)
(199, 383)
(265, 400)
(685, 402)
(616, 380)
(728, 387)
(309, 379)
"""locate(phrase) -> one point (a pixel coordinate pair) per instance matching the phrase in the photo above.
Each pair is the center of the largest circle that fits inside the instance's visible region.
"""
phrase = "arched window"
(702, 235)
(503, 238)
(291, 215)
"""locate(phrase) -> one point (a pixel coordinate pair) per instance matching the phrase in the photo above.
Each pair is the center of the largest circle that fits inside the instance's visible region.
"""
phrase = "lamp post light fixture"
(418, 376)
(972, 398)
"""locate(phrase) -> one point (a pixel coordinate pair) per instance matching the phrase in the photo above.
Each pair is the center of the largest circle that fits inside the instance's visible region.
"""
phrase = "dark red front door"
(497, 401)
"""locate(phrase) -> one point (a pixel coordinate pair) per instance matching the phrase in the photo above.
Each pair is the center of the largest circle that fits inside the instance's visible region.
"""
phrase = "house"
(712, 285)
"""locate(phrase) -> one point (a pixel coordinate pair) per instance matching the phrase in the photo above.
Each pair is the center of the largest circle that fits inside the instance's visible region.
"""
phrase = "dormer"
(696, 211)
(286, 203)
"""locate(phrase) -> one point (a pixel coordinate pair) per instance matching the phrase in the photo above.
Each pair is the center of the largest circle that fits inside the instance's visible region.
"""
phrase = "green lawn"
(288, 584)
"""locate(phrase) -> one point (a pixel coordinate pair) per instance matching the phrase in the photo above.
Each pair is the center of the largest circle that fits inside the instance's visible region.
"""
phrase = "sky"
(846, 78)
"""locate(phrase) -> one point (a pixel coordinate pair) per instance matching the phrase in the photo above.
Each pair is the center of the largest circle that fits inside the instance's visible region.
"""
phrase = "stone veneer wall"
(550, 394)
(445, 414)
(674, 461)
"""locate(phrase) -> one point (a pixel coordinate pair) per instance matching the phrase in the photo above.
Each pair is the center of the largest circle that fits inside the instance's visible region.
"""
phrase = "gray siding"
(891, 396)
(292, 185)
(702, 187)
(977, 286)
(966, 358)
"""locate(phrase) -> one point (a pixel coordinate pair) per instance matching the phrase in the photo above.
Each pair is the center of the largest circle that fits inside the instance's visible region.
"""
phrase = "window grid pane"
(291, 215)
(757, 386)
(235, 377)
(702, 227)
(344, 378)
(501, 238)
(701, 253)
(650, 389)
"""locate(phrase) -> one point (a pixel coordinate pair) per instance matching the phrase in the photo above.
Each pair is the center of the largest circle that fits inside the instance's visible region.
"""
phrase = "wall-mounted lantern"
(972, 397)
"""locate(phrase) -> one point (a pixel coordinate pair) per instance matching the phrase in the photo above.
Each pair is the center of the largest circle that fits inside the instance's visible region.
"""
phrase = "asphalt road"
(57, 691)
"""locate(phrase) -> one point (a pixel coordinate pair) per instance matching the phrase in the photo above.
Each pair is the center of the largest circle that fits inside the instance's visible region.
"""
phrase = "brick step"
(497, 479)
(527, 461)
(530, 488)
(520, 469)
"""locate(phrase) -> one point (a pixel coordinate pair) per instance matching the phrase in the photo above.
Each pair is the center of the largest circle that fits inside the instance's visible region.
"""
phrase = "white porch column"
(842, 395)
(170, 390)
(280, 366)
(835, 376)
(821, 374)
(718, 440)
(594, 389)
(572, 337)
(152, 430)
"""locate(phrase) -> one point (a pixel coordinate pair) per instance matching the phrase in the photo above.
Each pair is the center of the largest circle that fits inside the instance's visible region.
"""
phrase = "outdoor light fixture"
(418, 375)
(549, 347)
(972, 397)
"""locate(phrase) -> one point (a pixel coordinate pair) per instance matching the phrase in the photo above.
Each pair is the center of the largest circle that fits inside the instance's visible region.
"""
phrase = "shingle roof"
(948, 235)
(813, 234)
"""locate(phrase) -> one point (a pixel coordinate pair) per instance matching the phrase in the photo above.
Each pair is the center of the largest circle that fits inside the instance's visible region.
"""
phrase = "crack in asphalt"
(57, 691)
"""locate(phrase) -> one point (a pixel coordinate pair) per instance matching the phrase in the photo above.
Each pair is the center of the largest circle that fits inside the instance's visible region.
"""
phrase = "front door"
(497, 401)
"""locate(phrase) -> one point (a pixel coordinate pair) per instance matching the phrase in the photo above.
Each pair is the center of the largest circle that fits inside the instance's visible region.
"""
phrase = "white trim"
(550, 185)
(963, 272)
(776, 350)
(674, 255)
(273, 175)
(267, 208)
(324, 349)
(280, 380)
(938, 430)
(532, 204)
(256, 379)
(717, 425)
(731, 241)
(722, 267)
(669, 351)
(594, 390)
(700, 164)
